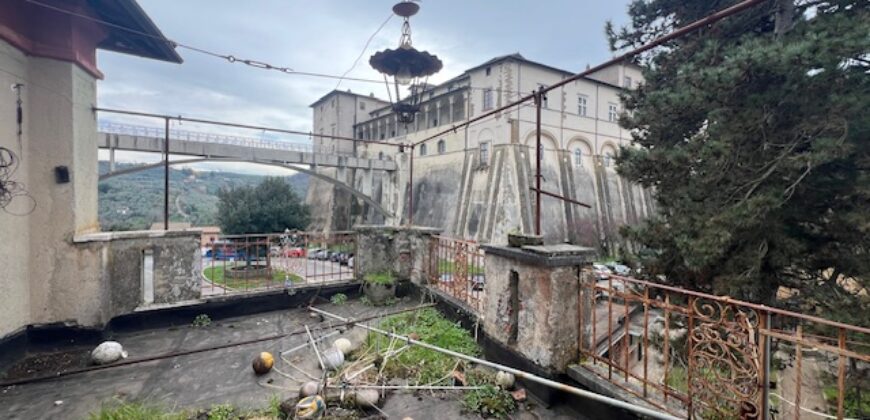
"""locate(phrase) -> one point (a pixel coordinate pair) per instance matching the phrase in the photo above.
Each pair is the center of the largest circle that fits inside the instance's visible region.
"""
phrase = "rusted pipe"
(516, 372)
(712, 18)
(539, 97)
(166, 176)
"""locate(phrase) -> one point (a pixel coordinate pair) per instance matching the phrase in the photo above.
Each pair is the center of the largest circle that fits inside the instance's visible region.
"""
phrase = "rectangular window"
(612, 112)
(488, 71)
(484, 153)
(487, 99)
(362, 106)
(626, 81)
(582, 102)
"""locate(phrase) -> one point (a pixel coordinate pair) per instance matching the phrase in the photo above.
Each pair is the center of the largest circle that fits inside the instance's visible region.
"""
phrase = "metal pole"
(538, 100)
(166, 176)
(411, 192)
(516, 372)
(765, 390)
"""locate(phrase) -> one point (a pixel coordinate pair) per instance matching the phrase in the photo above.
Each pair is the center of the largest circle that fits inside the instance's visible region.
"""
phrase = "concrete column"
(402, 251)
(533, 300)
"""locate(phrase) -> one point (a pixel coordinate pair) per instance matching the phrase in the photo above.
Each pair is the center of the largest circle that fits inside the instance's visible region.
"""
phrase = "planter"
(519, 240)
(379, 293)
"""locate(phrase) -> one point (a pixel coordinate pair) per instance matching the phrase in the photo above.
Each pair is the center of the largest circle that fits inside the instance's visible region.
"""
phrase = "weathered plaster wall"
(176, 267)
(14, 233)
(547, 322)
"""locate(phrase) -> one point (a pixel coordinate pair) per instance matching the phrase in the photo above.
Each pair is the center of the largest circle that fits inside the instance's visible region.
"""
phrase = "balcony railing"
(456, 268)
(246, 263)
(702, 356)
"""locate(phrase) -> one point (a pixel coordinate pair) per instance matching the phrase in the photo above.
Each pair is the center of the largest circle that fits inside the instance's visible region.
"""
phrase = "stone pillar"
(532, 298)
(402, 250)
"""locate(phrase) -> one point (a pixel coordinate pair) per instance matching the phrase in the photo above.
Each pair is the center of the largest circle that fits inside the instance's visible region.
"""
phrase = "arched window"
(442, 147)
(423, 149)
(578, 157)
(608, 158)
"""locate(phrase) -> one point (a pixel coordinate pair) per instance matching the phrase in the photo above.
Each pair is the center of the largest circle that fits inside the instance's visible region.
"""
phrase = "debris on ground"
(108, 352)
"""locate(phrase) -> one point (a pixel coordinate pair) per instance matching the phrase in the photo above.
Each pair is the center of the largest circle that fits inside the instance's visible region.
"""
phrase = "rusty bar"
(610, 328)
(798, 359)
(667, 343)
(645, 339)
(689, 365)
(538, 154)
(625, 336)
(821, 346)
(841, 373)
(707, 20)
(561, 197)
(765, 367)
(722, 299)
(593, 349)
(166, 175)
(581, 330)
(516, 372)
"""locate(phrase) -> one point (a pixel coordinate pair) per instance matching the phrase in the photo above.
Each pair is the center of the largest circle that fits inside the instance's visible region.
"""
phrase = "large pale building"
(475, 182)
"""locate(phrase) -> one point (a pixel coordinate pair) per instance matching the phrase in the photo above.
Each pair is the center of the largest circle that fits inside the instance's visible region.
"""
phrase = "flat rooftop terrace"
(223, 376)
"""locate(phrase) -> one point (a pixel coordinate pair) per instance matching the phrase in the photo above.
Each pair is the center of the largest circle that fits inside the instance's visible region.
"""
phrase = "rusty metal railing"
(697, 355)
(258, 262)
(456, 268)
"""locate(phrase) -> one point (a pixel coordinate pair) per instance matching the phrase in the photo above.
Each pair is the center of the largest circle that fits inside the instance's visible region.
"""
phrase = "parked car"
(312, 253)
(601, 271)
(345, 258)
(295, 252)
(619, 269)
(322, 255)
(335, 256)
(227, 253)
(274, 251)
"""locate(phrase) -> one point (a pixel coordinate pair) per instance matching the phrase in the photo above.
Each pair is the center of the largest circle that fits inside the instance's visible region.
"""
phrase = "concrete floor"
(215, 377)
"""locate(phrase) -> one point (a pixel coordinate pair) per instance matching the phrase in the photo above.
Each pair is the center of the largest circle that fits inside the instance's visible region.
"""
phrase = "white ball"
(308, 389)
(332, 358)
(108, 352)
(343, 344)
(366, 397)
(504, 379)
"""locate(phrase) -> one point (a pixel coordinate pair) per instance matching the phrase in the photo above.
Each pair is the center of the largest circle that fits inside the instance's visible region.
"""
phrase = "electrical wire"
(9, 188)
(365, 47)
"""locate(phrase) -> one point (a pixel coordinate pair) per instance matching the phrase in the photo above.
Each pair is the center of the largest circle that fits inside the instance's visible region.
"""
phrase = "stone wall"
(402, 251)
(531, 301)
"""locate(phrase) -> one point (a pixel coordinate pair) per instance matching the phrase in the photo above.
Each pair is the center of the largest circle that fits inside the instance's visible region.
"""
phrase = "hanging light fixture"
(407, 66)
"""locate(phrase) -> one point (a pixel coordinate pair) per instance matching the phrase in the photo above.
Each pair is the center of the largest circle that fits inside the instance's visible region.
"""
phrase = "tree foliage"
(271, 206)
(753, 134)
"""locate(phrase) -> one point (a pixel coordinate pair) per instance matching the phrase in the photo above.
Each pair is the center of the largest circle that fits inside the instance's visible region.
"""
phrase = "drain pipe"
(516, 372)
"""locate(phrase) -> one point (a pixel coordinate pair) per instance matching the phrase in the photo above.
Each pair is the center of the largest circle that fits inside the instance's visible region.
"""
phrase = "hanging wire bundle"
(9, 188)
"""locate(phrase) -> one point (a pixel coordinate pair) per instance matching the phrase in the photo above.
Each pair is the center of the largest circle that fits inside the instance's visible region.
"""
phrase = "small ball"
(343, 344)
(504, 379)
(263, 363)
(308, 389)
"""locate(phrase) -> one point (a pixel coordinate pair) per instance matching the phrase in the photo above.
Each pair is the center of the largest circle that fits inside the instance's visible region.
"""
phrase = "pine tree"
(270, 207)
(754, 134)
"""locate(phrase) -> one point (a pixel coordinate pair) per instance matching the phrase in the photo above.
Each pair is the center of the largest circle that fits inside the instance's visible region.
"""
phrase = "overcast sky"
(326, 36)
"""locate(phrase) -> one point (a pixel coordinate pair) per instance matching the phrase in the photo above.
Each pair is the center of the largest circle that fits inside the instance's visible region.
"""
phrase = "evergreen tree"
(272, 206)
(753, 134)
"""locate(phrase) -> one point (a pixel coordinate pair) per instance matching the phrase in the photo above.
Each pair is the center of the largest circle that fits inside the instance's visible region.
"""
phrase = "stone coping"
(382, 228)
(136, 234)
(559, 255)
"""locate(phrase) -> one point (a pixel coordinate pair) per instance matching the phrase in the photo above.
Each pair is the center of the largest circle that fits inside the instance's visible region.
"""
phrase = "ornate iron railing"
(456, 268)
(702, 356)
(245, 263)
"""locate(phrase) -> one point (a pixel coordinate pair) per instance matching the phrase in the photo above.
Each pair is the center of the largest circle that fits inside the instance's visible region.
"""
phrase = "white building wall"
(14, 233)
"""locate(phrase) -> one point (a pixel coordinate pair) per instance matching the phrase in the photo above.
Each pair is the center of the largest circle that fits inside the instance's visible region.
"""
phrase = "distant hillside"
(135, 201)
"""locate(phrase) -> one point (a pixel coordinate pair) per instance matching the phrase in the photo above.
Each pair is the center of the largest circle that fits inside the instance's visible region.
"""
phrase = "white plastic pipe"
(519, 374)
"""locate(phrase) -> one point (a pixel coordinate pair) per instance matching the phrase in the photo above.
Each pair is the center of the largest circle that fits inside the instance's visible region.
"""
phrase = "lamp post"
(406, 66)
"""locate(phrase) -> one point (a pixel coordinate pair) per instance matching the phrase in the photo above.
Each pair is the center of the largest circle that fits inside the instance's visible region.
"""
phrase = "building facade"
(475, 182)
(48, 142)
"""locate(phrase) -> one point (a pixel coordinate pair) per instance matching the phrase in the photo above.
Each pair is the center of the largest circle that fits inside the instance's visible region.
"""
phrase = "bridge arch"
(345, 187)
